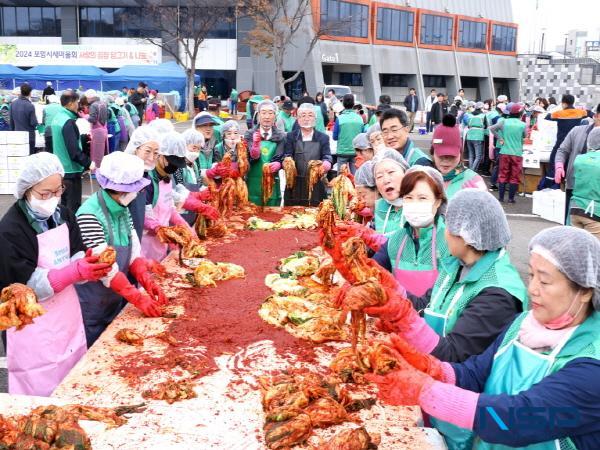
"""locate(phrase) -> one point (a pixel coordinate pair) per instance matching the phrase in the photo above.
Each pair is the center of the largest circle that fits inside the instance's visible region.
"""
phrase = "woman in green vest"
(413, 253)
(264, 141)
(537, 386)
(447, 146)
(585, 202)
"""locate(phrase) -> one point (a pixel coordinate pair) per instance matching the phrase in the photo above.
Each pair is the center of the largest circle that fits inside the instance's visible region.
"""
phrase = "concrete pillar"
(313, 74)
(485, 88)
(69, 31)
(371, 85)
(513, 88)
(451, 87)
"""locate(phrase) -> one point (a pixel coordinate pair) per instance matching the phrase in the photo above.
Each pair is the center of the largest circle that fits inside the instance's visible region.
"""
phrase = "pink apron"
(417, 282)
(40, 355)
(151, 247)
(99, 143)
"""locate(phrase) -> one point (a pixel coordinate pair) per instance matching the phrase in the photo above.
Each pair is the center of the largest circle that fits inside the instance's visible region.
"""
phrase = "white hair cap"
(38, 167)
(140, 136)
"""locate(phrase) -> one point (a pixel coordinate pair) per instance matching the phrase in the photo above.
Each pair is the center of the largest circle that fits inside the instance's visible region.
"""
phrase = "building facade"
(374, 47)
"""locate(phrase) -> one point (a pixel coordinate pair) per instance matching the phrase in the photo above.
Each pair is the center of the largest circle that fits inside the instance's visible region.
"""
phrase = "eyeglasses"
(393, 130)
(49, 194)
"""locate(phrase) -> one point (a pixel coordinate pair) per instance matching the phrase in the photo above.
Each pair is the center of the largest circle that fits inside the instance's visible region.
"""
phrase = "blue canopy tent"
(164, 77)
(8, 72)
(63, 77)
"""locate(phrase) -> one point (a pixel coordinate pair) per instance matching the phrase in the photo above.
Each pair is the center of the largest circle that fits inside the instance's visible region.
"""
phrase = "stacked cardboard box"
(549, 204)
(14, 147)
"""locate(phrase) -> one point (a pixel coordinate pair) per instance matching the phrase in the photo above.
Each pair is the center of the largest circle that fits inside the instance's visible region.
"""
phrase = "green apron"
(412, 154)
(388, 218)
(456, 184)
(586, 189)
(267, 151)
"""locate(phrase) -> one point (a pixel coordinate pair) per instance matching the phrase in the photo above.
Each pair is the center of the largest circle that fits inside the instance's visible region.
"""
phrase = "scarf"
(460, 168)
(537, 337)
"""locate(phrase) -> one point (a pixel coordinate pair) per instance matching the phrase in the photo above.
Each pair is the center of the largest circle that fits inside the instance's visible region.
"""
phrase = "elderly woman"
(389, 170)
(42, 248)
(545, 365)
(447, 146)
(231, 144)
(375, 138)
(264, 141)
(366, 192)
(305, 144)
(413, 252)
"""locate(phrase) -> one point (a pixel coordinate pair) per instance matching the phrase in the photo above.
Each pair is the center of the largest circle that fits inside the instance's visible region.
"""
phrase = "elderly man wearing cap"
(42, 248)
(394, 128)
(305, 144)
(475, 136)
(285, 120)
(104, 220)
(205, 123)
(264, 141)
(447, 145)
(363, 149)
(98, 117)
(511, 133)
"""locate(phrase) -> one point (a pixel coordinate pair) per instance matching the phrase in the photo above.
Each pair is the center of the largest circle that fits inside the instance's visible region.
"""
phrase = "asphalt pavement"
(522, 223)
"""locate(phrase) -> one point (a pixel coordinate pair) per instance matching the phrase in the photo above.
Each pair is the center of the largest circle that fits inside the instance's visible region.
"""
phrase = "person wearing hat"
(347, 125)
(363, 149)
(264, 141)
(285, 119)
(475, 136)
(511, 133)
(447, 145)
(366, 193)
(214, 109)
(305, 144)
(48, 91)
(231, 141)
(98, 117)
(545, 364)
(104, 220)
(585, 200)
(319, 117)
(42, 248)
(535, 114)
(66, 144)
(152, 110)
(205, 123)
(394, 128)
(375, 138)
(161, 210)
(414, 251)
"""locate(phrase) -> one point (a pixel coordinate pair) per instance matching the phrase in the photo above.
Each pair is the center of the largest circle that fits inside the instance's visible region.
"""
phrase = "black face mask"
(170, 169)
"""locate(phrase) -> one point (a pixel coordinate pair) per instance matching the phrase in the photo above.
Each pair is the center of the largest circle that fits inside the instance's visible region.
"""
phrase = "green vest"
(233, 96)
(50, 113)
(475, 125)
(267, 151)
(412, 153)
(387, 218)
(450, 296)
(288, 121)
(512, 135)
(153, 175)
(58, 142)
(372, 120)
(131, 109)
(320, 121)
(421, 259)
(489, 117)
(119, 217)
(113, 114)
(349, 125)
(457, 183)
(586, 189)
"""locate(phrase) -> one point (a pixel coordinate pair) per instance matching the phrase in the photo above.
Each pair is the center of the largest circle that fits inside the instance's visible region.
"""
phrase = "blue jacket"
(576, 385)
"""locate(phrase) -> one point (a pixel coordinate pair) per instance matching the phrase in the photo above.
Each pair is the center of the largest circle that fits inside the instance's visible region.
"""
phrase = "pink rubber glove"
(151, 224)
(559, 172)
(450, 404)
(373, 239)
(84, 269)
(491, 148)
(326, 167)
(176, 219)
(255, 148)
(274, 167)
(366, 213)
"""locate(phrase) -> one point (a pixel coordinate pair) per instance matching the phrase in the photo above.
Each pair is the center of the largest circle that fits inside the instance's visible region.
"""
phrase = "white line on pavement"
(522, 215)
(2, 362)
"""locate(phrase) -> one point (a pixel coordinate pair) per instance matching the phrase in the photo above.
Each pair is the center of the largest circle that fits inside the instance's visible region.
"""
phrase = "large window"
(504, 38)
(436, 30)
(472, 34)
(395, 24)
(347, 19)
(29, 21)
(394, 80)
(351, 79)
(434, 81)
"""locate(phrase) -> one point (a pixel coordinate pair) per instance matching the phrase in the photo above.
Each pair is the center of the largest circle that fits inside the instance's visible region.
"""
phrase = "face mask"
(565, 319)
(191, 156)
(149, 167)
(43, 208)
(397, 202)
(231, 142)
(126, 199)
(418, 214)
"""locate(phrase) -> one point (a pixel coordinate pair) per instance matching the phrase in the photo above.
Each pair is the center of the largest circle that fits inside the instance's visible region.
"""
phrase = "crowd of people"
(474, 335)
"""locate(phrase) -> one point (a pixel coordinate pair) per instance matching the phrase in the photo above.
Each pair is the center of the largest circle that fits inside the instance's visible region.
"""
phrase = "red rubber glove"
(203, 196)
(255, 148)
(420, 361)
(366, 213)
(90, 269)
(197, 206)
(218, 171)
(398, 311)
(559, 172)
(121, 286)
(401, 387)
(142, 271)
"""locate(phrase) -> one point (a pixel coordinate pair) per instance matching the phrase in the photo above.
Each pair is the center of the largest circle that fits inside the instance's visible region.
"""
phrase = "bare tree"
(182, 30)
(277, 24)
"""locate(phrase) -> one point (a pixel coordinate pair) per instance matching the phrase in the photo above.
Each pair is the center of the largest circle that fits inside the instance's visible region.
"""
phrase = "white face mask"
(149, 167)
(397, 202)
(126, 199)
(418, 214)
(191, 156)
(43, 208)
(231, 142)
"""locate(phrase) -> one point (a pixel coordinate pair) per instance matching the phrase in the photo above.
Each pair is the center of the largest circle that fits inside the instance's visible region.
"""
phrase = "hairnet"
(575, 252)
(266, 104)
(477, 217)
(365, 175)
(162, 126)
(392, 155)
(36, 168)
(140, 136)
(435, 175)
(173, 144)
(91, 94)
(121, 169)
(593, 140)
(229, 125)
(193, 137)
(375, 128)
(361, 142)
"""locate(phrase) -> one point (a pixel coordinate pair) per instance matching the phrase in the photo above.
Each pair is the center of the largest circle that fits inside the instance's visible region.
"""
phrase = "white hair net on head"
(140, 136)
(361, 141)
(266, 104)
(193, 137)
(91, 94)
(229, 125)
(375, 128)
(575, 252)
(392, 155)
(434, 174)
(162, 126)
(478, 218)
(173, 144)
(365, 175)
(593, 140)
(37, 167)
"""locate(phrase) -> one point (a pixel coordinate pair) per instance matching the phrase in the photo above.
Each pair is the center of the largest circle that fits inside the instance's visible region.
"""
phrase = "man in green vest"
(510, 132)
(394, 128)
(475, 136)
(67, 146)
(233, 99)
(347, 126)
(50, 111)
(285, 119)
